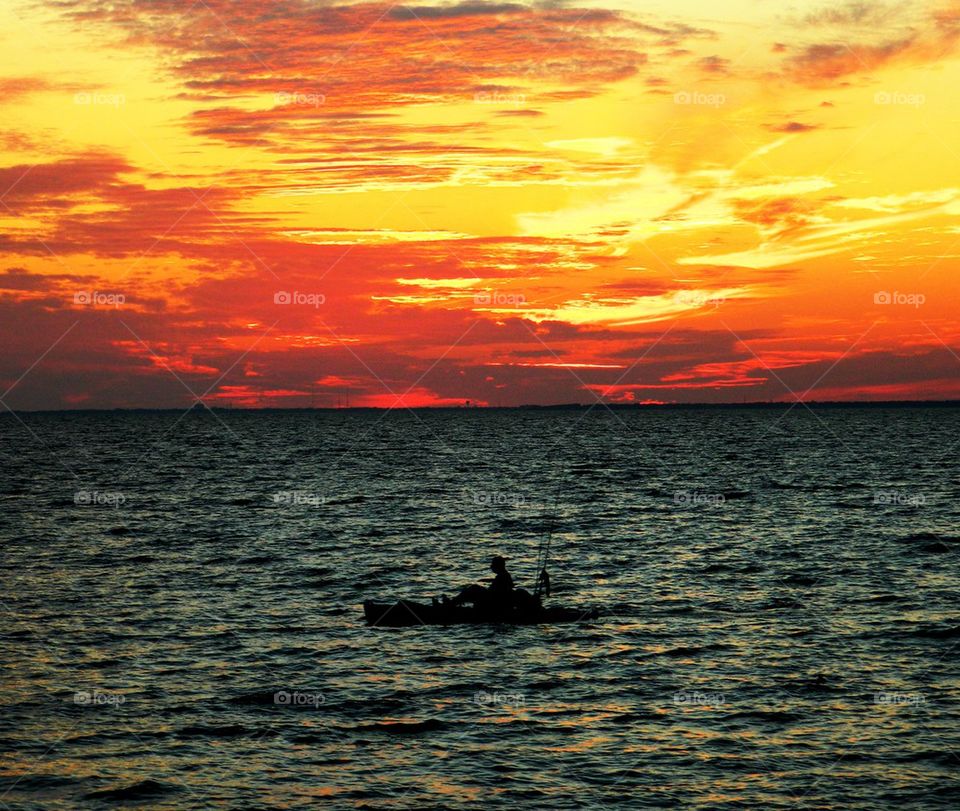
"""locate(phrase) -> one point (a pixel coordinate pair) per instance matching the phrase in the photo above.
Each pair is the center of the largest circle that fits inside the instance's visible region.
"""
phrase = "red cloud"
(318, 66)
(129, 217)
(824, 63)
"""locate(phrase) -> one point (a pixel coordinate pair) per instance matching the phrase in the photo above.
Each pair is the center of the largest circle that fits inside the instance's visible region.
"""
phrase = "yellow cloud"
(598, 146)
(642, 309)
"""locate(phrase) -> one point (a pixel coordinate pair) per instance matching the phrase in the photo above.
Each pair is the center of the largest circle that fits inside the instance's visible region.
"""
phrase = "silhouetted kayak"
(405, 613)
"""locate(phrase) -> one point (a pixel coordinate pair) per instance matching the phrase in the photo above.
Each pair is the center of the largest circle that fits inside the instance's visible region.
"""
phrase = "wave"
(316, 571)
(33, 781)
(800, 579)
(852, 505)
(632, 717)
(937, 632)
(772, 716)
(224, 731)
(403, 727)
(782, 602)
(929, 542)
(137, 791)
(928, 536)
(548, 684)
(689, 650)
(717, 567)
(941, 758)
(777, 485)
(881, 599)
(256, 559)
(935, 548)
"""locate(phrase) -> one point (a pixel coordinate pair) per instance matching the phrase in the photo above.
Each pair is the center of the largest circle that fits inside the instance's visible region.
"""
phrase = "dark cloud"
(21, 279)
(858, 13)
(926, 36)
(793, 126)
(452, 11)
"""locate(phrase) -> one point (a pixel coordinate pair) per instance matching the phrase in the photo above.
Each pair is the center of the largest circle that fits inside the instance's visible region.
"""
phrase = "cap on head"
(499, 562)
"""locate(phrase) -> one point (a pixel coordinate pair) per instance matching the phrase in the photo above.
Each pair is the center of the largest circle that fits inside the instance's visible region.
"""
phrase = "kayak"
(406, 613)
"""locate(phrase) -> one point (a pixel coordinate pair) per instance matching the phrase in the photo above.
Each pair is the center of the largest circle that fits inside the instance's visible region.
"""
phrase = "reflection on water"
(182, 618)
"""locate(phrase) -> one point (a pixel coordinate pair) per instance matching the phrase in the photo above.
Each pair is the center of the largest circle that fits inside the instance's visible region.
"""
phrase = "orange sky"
(282, 203)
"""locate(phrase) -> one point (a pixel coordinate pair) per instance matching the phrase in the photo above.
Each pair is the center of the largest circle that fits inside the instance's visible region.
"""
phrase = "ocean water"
(182, 621)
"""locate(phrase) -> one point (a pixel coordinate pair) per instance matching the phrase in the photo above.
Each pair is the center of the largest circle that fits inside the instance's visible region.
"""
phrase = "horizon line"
(200, 406)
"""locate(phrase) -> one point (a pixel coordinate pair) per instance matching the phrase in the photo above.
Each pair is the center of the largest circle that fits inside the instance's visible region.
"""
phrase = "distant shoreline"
(758, 405)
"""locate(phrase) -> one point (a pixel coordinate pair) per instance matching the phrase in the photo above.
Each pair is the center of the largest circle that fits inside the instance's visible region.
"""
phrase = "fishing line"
(543, 551)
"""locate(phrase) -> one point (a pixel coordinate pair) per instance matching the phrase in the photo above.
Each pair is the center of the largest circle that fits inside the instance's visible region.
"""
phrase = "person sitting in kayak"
(498, 595)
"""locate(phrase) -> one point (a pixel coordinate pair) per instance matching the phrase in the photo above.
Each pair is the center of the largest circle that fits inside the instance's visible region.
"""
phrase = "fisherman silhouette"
(500, 602)
(497, 596)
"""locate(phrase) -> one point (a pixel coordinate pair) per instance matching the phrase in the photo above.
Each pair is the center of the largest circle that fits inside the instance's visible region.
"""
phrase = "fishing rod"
(543, 551)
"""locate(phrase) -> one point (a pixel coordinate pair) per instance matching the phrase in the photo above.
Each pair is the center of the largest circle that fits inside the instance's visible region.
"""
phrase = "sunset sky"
(285, 203)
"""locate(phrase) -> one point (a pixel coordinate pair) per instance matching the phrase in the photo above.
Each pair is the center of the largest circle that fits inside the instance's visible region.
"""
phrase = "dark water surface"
(781, 589)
